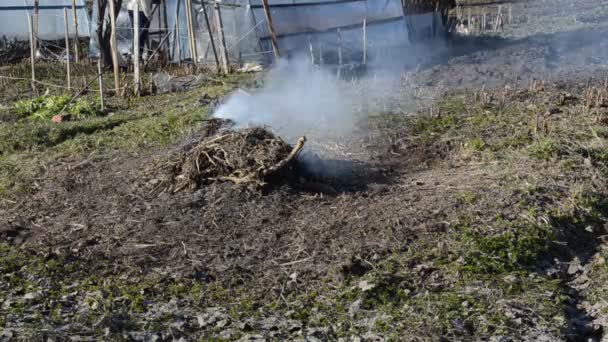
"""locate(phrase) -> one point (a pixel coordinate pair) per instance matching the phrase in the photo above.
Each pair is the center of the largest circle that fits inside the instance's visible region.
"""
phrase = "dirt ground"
(480, 215)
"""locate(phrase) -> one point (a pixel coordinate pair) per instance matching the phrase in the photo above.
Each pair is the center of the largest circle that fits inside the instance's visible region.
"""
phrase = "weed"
(543, 149)
(45, 107)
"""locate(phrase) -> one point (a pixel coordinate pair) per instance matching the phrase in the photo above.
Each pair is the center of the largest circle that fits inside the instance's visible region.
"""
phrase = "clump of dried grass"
(247, 156)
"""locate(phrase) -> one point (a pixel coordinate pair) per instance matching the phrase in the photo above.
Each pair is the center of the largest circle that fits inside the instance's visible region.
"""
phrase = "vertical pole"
(136, 74)
(67, 46)
(255, 24)
(178, 36)
(187, 9)
(220, 29)
(32, 52)
(100, 75)
(193, 52)
(211, 41)
(178, 41)
(321, 58)
(312, 52)
(364, 41)
(273, 35)
(160, 27)
(339, 46)
(76, 42)
(498, 15)
(166, 24)
(469, 26)
(36, 22)
(114, 46)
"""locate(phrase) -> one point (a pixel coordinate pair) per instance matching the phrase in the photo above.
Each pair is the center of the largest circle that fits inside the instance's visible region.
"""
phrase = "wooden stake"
(178, 36)
(511, 14)
(32, 52)
(220, 29)
(364, 41)
(191, 33)
(211, 41)
(100, 75)
(114, 47)
(273, 35)
(498, 15)
(136, 73)
(76, 43)
(67, 47)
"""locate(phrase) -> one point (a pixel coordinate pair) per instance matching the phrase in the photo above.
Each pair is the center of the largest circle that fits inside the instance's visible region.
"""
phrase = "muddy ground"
(480, 215)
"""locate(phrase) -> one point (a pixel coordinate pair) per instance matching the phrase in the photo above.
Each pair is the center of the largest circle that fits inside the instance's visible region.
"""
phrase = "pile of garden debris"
(248, 156)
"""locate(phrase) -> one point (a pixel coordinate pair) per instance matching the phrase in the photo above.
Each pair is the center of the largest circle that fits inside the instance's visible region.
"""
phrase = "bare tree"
(104, 32)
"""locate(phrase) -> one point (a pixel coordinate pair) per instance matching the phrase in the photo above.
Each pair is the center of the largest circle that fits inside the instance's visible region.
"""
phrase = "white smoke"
(296, 98)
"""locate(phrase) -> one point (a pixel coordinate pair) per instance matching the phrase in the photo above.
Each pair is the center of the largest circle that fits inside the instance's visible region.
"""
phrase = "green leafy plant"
(45, 107)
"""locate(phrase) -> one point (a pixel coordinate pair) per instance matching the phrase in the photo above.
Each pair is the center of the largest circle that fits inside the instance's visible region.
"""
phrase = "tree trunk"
(103, 36)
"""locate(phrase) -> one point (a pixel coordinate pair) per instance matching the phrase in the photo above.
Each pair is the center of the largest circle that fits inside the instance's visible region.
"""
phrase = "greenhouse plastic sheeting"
(298, 25)
(14, 19)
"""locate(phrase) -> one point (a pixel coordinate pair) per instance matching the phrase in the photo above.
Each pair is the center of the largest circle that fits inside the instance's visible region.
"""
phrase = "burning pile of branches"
(248, 156)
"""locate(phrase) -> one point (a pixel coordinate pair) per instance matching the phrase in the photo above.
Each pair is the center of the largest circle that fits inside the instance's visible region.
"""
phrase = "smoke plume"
(296, 98)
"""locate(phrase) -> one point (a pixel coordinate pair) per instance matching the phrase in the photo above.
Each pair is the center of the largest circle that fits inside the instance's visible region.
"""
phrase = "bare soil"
(480, 216)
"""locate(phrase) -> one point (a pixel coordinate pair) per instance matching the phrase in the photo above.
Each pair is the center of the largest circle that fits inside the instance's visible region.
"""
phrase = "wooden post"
(178, 41)
(339, 46)
(484, 22)
(511, 14)
(136, 74)
(160, 26)
(206, 15)
(469, 26)
(364, 41)
(191, 33)
(166, 24)
(220, 29)
(67, 46)
(187, 10)
(76, 42)
(100, 75)
(178, 35)
(498, 15)
(273, 35)
(36, 22)
(114, 46)
(32, 52)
